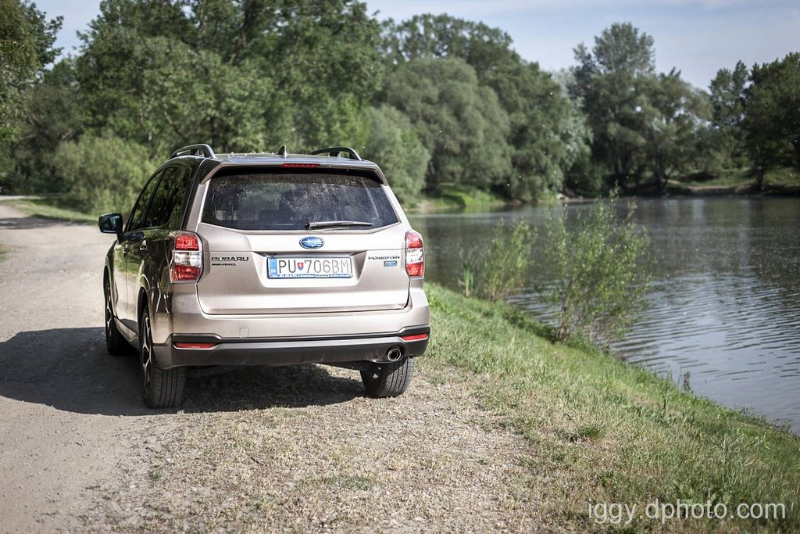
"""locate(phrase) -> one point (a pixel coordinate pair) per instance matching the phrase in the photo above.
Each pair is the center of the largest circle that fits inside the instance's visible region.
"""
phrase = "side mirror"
(111, 223)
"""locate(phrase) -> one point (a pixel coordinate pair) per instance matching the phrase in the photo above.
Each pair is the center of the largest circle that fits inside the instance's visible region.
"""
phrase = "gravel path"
(285, 449)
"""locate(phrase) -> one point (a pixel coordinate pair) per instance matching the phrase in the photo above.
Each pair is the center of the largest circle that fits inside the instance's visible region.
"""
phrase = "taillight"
(415, 256)
(187, 258)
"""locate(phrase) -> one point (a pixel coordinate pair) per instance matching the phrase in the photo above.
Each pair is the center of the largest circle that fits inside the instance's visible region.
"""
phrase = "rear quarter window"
(169, 200)
(292, 200)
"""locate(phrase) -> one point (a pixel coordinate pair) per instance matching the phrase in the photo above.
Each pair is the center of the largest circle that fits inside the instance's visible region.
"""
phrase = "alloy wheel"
(146, 357)
(109, 312)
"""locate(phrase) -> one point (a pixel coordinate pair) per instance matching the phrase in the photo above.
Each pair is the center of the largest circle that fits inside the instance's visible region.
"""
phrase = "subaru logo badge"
(312, 242)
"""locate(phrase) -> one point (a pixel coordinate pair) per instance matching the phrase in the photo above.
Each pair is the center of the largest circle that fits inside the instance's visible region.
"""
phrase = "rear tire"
(388, 379)
(162, 388)
(115, 343)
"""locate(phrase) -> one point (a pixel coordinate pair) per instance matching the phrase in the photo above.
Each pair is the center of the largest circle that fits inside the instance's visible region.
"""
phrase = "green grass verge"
(776, 180)
(603, 431)
(457, 198)
(783, 178)
(729, 178)
(51, 208)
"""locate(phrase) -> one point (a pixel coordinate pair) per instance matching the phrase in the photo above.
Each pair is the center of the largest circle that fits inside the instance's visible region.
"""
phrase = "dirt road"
(286, 449)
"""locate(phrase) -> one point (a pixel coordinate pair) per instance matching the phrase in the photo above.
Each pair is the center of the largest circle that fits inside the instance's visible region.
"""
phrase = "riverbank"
(603, 431)
(678, 189)
(783, 181)
(780, 181)
(456, 198)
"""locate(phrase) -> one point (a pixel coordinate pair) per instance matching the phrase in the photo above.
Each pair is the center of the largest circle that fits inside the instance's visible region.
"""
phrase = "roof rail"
(336, 150)
(195, 150)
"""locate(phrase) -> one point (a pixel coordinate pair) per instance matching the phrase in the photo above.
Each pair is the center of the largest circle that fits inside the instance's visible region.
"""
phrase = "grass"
(3, 251)
(51, 208)
(502, 430)
(349, 482)
(784, 177)
(730, 178)
(602, 431)
(776, 180)
(457, 198)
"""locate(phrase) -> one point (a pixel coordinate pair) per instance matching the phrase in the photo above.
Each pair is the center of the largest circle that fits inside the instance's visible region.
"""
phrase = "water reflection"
(724, 306)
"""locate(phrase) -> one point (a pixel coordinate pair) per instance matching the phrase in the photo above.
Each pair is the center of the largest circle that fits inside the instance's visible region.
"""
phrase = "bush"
(470, 268)
(103, 174)
(601, 272)
(505, 266)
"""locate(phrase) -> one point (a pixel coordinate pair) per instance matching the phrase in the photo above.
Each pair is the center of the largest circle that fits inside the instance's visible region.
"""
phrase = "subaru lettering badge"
(312, 242)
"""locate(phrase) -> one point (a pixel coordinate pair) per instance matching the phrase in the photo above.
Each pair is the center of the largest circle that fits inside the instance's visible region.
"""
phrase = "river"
(723, 311)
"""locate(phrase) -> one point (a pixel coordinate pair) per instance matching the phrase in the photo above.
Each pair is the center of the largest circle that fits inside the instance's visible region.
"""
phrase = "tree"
(541, 126)
(243, 75)
(461, 123)
(143, 61)
(326, 63)
(166, 94)
(193, 95)
(672, 129)
(772, 121)
(393, 144)
(53, 115)
(547, 135)
(26, 46)
(442, 36)
(584, 174)
(147, 18)
(727, 96)
(612, 81)
(103, 174)
(233, 29)
(727, 100)
(643, 123)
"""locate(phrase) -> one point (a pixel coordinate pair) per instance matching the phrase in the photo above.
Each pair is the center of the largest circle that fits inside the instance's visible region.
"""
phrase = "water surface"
(723, 312)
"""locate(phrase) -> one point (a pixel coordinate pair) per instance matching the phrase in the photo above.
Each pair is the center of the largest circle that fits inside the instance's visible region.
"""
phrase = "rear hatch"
(300, 240)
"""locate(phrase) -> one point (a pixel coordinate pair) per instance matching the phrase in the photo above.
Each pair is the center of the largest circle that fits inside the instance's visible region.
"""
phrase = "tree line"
(438, 101)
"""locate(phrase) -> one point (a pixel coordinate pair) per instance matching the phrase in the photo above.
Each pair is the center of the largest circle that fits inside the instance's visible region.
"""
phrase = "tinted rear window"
(290, 201)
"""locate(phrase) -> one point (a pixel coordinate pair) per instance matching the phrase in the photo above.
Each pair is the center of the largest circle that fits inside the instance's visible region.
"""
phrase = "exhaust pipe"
(394, 354)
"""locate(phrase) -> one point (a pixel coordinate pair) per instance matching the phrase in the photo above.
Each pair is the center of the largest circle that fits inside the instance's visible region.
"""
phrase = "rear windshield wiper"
(335, 224)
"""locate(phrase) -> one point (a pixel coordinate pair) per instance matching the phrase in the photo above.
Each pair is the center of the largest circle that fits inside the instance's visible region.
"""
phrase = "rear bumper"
(289, 351)
(180, 312)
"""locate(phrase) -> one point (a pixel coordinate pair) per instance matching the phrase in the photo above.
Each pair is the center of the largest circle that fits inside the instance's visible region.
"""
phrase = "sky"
(697, 37)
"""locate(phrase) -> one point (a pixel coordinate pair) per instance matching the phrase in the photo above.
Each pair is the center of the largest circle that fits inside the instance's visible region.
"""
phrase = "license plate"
(309, 267)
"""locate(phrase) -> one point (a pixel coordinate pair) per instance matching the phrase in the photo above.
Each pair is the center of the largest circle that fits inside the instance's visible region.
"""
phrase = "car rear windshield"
(297, 201)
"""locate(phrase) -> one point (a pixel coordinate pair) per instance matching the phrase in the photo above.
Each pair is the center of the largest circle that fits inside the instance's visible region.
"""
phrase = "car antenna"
(282, 151)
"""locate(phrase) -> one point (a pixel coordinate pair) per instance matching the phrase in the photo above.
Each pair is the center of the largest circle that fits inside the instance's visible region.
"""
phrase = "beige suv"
(266, 259)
